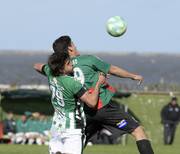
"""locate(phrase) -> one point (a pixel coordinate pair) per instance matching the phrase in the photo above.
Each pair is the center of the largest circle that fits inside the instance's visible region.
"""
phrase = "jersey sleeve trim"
(107, 68)
(43, 71)
(81, 92)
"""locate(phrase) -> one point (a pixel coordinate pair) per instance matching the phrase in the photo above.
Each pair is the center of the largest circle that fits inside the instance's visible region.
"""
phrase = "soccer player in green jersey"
(68, 120)
(108, 113)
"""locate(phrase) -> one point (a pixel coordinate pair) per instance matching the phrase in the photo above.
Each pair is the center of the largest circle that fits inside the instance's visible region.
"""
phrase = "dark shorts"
(111, 117)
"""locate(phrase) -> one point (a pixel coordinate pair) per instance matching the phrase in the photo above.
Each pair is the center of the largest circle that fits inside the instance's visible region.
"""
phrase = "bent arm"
(91, 99)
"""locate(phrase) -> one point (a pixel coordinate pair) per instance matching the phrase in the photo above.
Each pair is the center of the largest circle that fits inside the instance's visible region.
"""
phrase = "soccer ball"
(116, 26)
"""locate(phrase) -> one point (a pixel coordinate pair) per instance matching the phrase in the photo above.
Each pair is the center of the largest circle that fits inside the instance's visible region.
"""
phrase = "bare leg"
(143, 144)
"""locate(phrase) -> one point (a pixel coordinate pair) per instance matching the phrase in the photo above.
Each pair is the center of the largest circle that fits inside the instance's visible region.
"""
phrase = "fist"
(102, 78)
(138, 78)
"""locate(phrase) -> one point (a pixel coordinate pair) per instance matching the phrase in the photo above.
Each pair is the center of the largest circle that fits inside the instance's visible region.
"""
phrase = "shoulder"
(67, 79)
(92, 56)
(71, 84)
(165, 107)
(46, 69)
(177, 105)
(92, 59)
(84, 57)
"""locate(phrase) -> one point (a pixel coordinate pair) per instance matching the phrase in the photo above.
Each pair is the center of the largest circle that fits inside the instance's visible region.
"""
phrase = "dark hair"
(56, 63)
(61, 44)
(174, 99)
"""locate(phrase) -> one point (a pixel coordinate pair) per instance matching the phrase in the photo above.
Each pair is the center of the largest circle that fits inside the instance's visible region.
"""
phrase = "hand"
(108, 76)
(102, 78)
(138, 78)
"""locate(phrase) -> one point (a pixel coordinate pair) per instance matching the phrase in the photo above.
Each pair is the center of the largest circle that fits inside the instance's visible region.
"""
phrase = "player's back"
(68, 112)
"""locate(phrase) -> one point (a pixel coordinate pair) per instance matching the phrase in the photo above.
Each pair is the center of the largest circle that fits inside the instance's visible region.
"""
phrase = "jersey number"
(57, 96)
(78, 75)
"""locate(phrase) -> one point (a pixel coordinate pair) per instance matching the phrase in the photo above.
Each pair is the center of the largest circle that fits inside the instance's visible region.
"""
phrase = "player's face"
(68, 67)
(23, 118)
(73, 50)
(174, 102)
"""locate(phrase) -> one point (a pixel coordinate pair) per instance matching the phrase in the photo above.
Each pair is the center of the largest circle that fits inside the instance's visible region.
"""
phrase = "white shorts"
(69, 141)
(32, 134)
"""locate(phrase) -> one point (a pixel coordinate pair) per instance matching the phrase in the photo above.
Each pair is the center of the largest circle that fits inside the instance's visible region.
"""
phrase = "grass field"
(146, 107)
(100, 149)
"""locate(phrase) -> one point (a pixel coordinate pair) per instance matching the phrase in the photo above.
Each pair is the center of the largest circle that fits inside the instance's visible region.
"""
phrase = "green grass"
(146, 107)
(100, 149)
(130, 149)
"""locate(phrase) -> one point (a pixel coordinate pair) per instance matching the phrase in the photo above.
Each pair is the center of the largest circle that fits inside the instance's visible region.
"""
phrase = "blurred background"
(150, 47)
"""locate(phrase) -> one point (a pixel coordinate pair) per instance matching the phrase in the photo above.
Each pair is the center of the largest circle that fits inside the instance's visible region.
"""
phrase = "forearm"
(94, 96)
(119, 72)
(38, 67)
(91, 97)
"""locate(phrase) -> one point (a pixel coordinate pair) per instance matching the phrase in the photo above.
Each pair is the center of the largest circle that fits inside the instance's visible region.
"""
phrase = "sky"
(153, 25)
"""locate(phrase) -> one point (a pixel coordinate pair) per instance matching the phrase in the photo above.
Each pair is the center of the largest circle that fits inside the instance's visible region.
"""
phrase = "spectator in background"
(9, 126)
(22, 127)
(44, 130)
(170, 116)
(33, 130)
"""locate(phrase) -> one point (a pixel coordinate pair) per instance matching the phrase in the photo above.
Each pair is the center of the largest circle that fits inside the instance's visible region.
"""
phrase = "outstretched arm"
(113, 70)
(39, 67)
(119, 72)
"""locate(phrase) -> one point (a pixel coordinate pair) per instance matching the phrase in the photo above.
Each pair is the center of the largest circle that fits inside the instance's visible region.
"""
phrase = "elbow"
(93, 104)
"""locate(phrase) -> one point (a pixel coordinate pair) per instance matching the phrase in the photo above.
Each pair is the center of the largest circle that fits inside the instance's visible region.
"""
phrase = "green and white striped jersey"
(65, 91)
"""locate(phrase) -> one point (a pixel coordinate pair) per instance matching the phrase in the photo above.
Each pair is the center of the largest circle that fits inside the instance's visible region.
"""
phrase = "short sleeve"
(46, 69)
(99, 64)
(77, 88)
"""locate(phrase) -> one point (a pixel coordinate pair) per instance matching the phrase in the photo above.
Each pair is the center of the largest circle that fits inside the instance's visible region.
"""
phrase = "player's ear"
(70, 51)
(70, 48)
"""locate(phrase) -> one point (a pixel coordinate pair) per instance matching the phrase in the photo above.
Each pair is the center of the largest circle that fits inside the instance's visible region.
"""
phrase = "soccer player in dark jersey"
(108, 114)
(68, 120)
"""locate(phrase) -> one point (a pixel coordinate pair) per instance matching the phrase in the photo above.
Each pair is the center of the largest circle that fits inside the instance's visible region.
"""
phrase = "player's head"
(10, 115)
(23, 118)
(60, 64)
(174, 100)
(65, 44)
